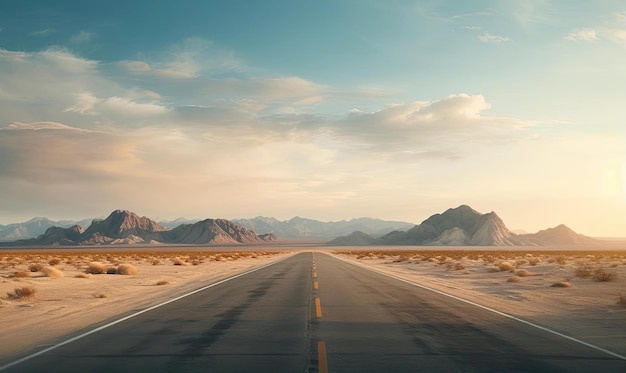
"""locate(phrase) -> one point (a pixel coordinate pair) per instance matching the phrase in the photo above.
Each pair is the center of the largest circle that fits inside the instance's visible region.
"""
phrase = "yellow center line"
(318, 308)
(314, 274)
(316, 285)
(322, 363)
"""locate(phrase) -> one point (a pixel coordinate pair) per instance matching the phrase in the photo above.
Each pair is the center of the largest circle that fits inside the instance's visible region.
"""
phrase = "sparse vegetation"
(162, 282)
(601, 275)
(52, 272)
(506, 266)
(96, 268)
(523, 273)
(127, 269)
(35, 267)
(21, 274)
(54, 261)
(25, 292)
(561, 284)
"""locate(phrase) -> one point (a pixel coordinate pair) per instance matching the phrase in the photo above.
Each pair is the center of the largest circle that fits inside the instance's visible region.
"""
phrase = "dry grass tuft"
(178, 261)
(505, 266)
(127, 269)
(100, 295)
(524, 273)
(163, 282)
(35, 267)
(561, 284)
(21, 274)
(96, 268)
(52, 272)
(111, 270)
(601, 275)
(584, 270)
(25, 292)
(54, 261)
(514, 279)
(533, 261)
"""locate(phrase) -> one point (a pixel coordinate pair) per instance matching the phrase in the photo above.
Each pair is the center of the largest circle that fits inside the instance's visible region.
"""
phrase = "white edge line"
(73, 339)
(622, 357)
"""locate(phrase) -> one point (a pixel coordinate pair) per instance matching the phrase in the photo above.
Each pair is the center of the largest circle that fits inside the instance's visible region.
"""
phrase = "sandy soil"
(75, 301)
(591, 309)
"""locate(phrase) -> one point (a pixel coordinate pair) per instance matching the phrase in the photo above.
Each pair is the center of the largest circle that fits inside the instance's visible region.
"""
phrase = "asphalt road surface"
(314, 313)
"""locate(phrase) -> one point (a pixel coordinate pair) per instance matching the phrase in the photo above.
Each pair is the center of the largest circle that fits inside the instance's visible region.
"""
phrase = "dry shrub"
(52, 272)
(584, 270)
(127, 269)
(459, 267)
(21, 274)
(96, 268)
(561, 260)
(523, 273)
(83, 275)
(533, 261)
(561, 284)
(111, 270)
(162, 282)
(178, 261)
(54, 261)
(514, 279)
(156, 262)
(505, 266)
(25, 292)
(35, 267)
(100, 295)
(601, 275)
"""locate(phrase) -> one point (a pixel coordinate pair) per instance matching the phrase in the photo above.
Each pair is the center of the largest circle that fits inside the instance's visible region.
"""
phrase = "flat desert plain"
(46, 295)
(580, 293)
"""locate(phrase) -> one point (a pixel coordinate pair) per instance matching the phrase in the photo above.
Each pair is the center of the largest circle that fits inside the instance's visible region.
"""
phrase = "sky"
(326, 109)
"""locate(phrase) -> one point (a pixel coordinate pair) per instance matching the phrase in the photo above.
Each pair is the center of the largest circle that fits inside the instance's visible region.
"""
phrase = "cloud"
(44, 32)
(489, 38)
(19, 126)
(81, 37)
(613, 29)
(582, 35)
(188, 59)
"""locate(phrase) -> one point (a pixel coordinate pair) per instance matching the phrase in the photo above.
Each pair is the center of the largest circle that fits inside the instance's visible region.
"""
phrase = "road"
(315, 313)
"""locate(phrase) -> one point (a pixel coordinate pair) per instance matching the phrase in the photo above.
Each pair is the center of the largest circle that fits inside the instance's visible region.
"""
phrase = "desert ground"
(46, 295)
(580, 293)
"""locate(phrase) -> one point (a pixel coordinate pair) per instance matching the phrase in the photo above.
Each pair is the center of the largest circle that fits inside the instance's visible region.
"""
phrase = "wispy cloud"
(582, 35)
(43, 32)
(81, 37)
(613, 29)
(489, 38)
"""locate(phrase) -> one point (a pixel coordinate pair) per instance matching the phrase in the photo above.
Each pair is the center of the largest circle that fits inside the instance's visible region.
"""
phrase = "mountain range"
(464, 226)
(295, 228)
(125, 227)
(298, 227)
(461, 226)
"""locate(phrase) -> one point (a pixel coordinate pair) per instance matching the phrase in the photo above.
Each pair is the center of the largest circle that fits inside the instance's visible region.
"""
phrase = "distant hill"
(125, 227)
(357, 238)
(464, 226)
(298, 227)
(34, 227)
(176, 222)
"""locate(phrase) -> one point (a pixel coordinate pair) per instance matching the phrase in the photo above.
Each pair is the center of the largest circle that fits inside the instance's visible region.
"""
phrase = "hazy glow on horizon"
(328, 110)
